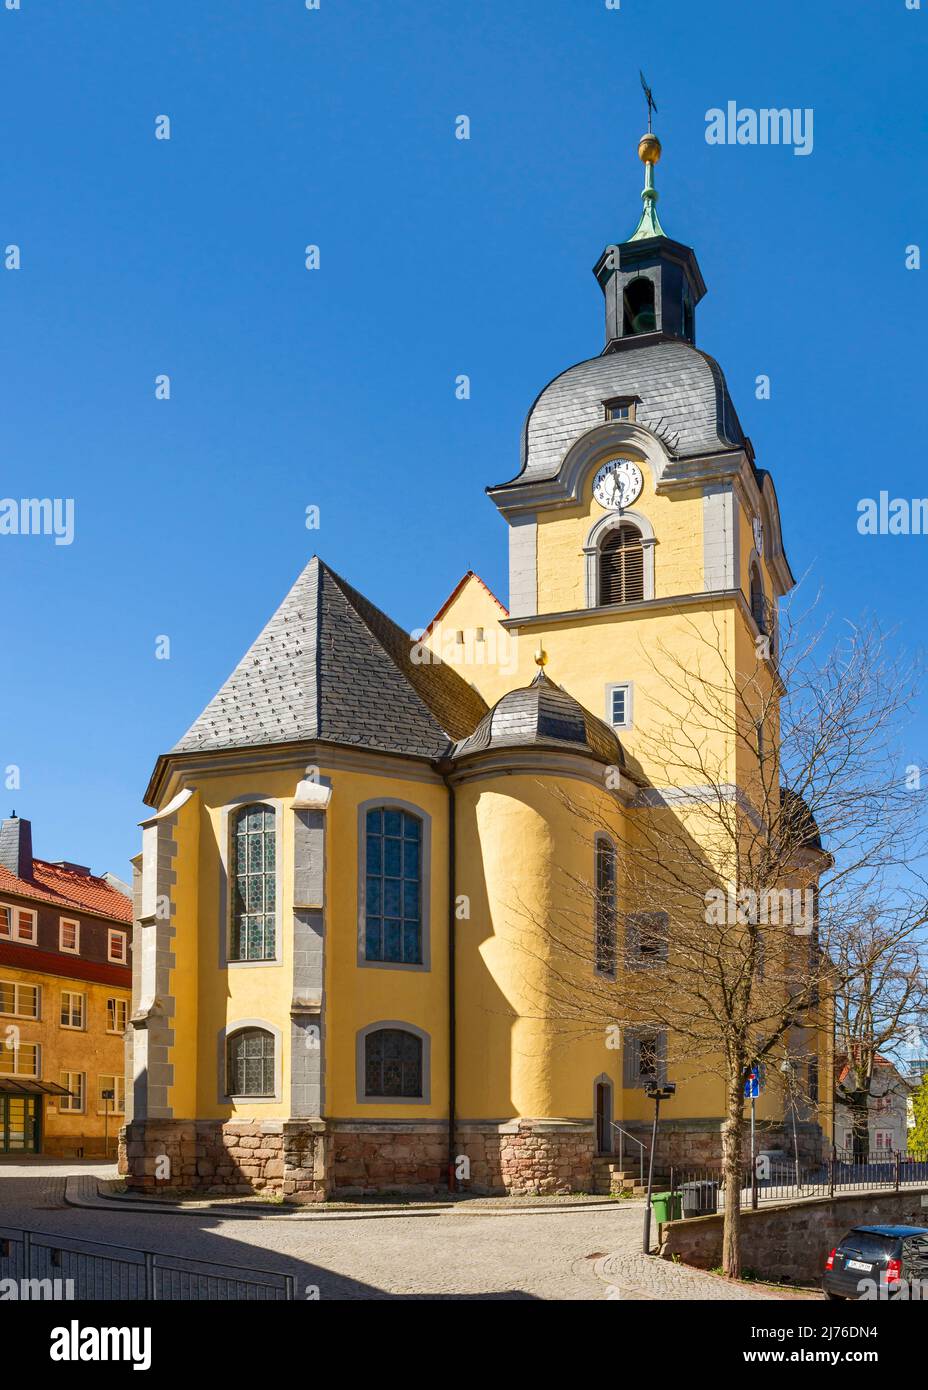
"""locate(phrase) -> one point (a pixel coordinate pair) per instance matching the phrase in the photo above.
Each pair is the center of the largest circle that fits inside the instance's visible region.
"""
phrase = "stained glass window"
(392, 1063)
(254, 884)
(251, 1063)
(605, 908)
(393, 887)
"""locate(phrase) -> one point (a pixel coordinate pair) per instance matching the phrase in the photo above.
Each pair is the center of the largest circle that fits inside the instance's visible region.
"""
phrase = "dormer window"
(621, 408)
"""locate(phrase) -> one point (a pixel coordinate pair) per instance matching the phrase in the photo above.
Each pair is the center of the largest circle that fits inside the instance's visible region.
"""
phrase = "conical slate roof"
(331, 666)
(543, 715)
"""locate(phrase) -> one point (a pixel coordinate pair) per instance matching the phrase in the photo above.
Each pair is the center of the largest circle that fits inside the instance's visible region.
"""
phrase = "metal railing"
(623, 1135)
(65, 1267)
(789, 1181)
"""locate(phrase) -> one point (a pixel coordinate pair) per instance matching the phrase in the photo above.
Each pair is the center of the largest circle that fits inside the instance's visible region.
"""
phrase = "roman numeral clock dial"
(617, 484)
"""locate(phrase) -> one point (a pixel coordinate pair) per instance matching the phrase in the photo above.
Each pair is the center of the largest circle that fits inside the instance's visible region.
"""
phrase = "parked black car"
(881, 1256)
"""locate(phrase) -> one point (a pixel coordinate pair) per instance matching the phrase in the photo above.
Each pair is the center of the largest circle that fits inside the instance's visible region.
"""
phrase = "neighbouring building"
(888, 1109)
(339, 942)
(65, 991)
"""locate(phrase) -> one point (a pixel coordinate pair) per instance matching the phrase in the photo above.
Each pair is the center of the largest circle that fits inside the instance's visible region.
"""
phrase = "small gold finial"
(649, 148)
(541, 657)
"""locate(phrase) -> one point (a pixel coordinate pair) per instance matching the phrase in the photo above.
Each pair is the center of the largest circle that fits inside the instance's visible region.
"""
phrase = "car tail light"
(894, 1271)
(830, 1262)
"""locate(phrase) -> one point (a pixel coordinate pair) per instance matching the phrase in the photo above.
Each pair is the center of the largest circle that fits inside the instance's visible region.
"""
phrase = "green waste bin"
(667, 1206)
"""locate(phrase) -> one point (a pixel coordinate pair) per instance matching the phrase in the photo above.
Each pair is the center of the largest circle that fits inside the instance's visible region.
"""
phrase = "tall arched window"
(250, 1063)
(254, 884)
(639, 311)
(393, 886)
(621, 566)
(758, 604)
(605, 940)
(393, 1064)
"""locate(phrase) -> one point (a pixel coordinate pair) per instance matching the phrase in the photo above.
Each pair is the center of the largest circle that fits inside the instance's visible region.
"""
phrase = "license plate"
(858, 1264)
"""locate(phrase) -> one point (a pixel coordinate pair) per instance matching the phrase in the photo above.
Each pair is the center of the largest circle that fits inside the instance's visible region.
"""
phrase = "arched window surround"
(225, 1036)
(594, 542)
(392, 804)
(361, 1064)
(226, 886)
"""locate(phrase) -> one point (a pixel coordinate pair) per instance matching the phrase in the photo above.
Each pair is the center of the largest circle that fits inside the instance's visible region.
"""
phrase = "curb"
(107, 1202)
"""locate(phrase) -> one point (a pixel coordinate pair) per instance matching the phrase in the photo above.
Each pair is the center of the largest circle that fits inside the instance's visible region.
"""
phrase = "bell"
(645, 321)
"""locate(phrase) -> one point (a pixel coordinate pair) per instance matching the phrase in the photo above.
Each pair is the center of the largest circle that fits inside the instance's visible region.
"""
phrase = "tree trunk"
(732, 1145)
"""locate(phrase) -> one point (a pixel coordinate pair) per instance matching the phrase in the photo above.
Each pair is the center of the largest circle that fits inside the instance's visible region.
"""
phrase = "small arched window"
(758, 603)
(621, 566)
(605, 942)
(393, 1064)
(254, 884)
(393, 886)
(638, 304)
(250, 1063)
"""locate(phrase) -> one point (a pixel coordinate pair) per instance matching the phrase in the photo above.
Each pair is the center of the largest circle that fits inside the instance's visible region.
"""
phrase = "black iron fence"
(61, 1267)
(699, 1191)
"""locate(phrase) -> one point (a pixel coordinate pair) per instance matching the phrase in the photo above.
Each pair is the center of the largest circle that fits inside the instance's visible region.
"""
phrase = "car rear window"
(867, 1244)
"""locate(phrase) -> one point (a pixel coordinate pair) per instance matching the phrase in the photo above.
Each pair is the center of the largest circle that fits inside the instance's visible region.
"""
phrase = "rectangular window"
(813, 1082)
(393, 887)
(19, 1001)
(116, 946)
(253, 880)
(23, 1060)
(115, 1102)
(647, 939)
(19, 924)
(117, 1012)
(69, 935)
(72, 1104)
(644, 1058)
(72, 1009)
(622, 408)
(619, 705)
(647, 1060)
(884, 1139)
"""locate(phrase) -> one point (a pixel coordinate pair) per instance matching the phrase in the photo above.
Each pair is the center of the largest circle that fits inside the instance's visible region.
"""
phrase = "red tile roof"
(65, 888)
(70, 967)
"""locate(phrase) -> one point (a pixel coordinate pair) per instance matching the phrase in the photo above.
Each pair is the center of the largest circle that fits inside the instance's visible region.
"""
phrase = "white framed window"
(19, 924)
(619, 704)
(116, 948)
(73, 1009)
(72, 1104)
(117, 1015)
(883, 1139)
(69, 935)
(115, 1104)
(20, 1001)
(25, 1059)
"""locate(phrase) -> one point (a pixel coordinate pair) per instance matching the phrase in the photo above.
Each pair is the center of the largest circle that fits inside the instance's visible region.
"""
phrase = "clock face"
(617, 483)
(758, 535)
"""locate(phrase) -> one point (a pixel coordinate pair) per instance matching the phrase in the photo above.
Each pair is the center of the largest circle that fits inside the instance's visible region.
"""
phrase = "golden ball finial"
(649, 148)
(541, 657)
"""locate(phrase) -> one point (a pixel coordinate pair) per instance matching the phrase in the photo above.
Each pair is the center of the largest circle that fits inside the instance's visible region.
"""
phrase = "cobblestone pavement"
(579, 1253)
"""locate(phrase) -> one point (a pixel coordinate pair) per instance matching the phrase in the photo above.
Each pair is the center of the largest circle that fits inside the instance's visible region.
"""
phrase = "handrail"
(625, 1135)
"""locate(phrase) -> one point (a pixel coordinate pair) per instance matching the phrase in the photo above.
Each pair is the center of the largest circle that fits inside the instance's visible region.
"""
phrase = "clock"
(617, 483)
(758, 535)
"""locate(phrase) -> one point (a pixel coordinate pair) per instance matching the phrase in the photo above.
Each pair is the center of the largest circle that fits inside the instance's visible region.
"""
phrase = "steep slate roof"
(543, 715)
(331, 666)
(684, 400)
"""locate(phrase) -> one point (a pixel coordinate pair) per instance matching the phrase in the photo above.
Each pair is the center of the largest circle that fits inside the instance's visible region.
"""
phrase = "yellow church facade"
(369, 896)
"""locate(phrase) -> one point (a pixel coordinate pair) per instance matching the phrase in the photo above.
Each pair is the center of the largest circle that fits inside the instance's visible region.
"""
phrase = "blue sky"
(335, 388)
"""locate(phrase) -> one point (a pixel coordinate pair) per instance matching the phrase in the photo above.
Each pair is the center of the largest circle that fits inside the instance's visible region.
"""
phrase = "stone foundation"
(522, 1157)
(691, 1144)
(281, 1158)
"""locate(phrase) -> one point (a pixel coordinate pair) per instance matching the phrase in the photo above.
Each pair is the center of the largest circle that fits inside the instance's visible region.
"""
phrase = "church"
(379, 916)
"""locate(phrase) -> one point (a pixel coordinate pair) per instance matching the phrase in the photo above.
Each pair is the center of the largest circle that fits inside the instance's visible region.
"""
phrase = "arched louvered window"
(250, 1063)
(621, 566)
(605, 942)
(758, 604)
(254, 884)
(393, 1063)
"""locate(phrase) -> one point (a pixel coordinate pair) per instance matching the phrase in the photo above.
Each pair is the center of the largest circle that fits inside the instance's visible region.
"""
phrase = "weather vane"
(649, 97)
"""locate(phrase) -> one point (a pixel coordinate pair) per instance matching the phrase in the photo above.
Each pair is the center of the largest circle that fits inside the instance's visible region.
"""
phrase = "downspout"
(444, 769)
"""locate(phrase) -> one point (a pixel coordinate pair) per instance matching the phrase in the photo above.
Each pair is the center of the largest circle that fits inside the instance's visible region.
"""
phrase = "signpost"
(106, 1097)
(752, 1091)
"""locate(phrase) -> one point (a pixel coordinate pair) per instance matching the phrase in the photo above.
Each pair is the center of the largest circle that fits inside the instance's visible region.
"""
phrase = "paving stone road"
(577, 1253)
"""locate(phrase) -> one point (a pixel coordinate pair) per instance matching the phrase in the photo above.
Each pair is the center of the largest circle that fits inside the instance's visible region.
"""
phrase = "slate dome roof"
(683, 397)
(542, 715)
